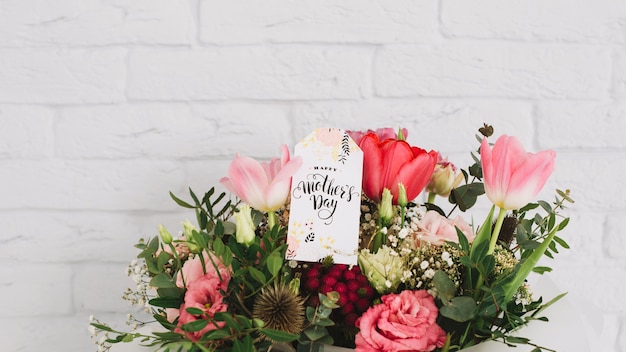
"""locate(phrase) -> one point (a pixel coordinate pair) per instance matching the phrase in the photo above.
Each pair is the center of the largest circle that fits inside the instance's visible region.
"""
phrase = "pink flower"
(382, 133)
(437, 229)
(193, 270)
(204, 294)
(390, 162)
(264, 186)
(402, 322)
(512, 176)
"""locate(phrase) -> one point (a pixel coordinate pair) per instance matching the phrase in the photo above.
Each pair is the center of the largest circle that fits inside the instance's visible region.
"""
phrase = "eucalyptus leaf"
(445, 287)
(459, 309)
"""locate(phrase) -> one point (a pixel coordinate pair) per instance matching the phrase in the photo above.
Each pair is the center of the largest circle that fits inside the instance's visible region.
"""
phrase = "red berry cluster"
(355, 293)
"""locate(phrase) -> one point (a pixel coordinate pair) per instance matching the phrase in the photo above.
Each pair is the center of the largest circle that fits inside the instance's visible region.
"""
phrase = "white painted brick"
(614, 240)
(584, 234)
(481, 69)
(94, 236)
(52, 76)
(35, 290)
(104, 294)
(102, 185)
(578, 125)
(61, 333)
(171, 131)
(445, 125)
(369, 21)
(618, 88)
(26, 132)
(93, 22)
(598, 284)
(536, 20)
(593, 178)
(276, 73)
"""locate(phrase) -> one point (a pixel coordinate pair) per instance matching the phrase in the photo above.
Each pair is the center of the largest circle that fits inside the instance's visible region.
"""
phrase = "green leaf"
(278, 335)
(218, 246)
(166, 302)
(274, 263)
(181, 202)
(216, 334)
(194, 311)
(460, 309)
(445, 287)
(102, 327)
(315, 333)
(484, 233)
(525, 267)
(542, 269)
(545, 206)
(561, 242)
(195, 325)
(562, 224)
(257, 275)
(219, 229)
(162, 280)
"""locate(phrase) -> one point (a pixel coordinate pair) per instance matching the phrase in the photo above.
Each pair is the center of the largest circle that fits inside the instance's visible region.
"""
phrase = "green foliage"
(316, 335)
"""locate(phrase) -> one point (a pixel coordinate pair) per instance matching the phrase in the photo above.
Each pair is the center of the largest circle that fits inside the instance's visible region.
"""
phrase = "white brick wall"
(105, 106)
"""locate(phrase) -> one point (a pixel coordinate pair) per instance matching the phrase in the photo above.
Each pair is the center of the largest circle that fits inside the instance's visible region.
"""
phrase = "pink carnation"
(204, 294)
(402, 322)
(437, 229)
(192, 271)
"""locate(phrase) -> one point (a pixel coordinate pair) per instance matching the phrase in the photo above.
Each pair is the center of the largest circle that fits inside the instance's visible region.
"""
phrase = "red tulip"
(264, 186)
(392, 161)
(382, 133)
(512, 176)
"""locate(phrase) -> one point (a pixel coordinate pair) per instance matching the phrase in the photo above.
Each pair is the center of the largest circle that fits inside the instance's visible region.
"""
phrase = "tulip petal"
(395, 155)
(277, 191)
(372, 166)
(529, 178)
(249, 181)
(512, 176)
(415, 175)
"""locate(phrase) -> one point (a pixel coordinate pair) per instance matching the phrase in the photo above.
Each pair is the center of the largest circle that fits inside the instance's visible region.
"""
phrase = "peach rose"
(437, 229)
(402, 322)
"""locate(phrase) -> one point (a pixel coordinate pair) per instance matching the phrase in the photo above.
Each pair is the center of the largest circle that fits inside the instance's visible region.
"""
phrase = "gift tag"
(325, 208)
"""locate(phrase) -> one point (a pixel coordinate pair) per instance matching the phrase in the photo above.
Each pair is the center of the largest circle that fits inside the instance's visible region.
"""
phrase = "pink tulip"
(512, 176)
(264, 186)
(392, 161)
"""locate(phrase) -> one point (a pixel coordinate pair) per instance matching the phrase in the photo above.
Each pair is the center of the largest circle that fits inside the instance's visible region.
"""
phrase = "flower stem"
(431, 197)
(496, 230)
(272, 219)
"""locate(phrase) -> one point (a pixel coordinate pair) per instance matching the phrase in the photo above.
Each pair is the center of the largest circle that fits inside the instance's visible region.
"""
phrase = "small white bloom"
(424, 265)
(445, 256)
(403, 233)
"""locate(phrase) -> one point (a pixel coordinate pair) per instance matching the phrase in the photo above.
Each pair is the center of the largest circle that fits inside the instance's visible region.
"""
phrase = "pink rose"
(437, 229)
(204, 294)
(402, 322)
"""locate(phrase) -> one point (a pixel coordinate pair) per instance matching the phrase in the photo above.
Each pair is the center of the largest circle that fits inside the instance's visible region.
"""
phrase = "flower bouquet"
(256, 273)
